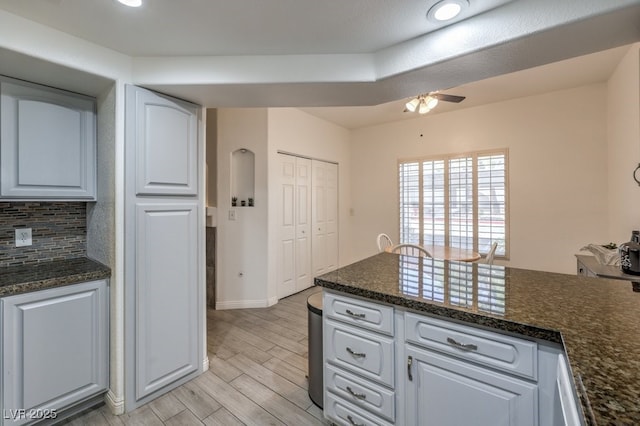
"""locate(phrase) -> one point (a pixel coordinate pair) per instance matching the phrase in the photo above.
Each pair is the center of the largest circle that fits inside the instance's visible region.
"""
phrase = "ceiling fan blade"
(448, 98)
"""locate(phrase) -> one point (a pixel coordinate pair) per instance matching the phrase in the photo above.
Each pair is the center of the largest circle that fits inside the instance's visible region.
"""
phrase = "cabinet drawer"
(358, 312)
(344, 413)
(361, 392)
(506, 353)
(359, 351)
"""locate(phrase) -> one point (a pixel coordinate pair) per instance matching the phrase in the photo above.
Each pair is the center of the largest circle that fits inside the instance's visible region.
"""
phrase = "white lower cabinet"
(377, 399)
(446, 391)
(384, 365)
(55, 350)
(343, 413)
(359, 372)
(458, 374)
(565, 404)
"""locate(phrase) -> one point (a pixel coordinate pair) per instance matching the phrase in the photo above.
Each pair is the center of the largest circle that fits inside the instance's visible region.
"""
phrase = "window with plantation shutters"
(455, 200)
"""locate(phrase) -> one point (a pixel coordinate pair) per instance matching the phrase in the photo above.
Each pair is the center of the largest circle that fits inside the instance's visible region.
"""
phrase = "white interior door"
(287, 225)
(303, 224)
(324, 216)
(319, 207)
(331, 214)
(294, 220)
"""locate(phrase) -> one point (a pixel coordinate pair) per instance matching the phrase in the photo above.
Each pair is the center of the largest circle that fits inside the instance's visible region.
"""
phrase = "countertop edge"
(60, 273)
(534, 332)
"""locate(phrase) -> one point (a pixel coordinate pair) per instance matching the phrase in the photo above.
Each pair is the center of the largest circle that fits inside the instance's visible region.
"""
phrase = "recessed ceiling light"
(131, 3)
(446, 10)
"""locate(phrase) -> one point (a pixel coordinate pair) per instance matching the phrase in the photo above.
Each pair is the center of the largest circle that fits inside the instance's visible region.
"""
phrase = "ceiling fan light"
(412, 104)
(431, 102)
(424, 107)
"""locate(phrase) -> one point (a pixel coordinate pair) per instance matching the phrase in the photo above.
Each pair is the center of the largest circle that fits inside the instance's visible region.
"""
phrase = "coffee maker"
(630, 255)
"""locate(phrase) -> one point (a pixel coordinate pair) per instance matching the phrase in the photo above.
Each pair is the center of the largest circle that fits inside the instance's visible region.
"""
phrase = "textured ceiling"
(574, 72)
(303, 53)
(240, 27)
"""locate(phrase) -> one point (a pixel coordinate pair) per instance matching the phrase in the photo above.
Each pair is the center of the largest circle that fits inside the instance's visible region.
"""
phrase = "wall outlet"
(23, 237)
(232, 215)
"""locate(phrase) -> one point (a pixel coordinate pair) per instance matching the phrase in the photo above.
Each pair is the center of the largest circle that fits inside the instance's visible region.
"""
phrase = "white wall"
(623, 119)
(249, 243)
(558, 172)
(296, 132)
(241, 246)
(211, 144)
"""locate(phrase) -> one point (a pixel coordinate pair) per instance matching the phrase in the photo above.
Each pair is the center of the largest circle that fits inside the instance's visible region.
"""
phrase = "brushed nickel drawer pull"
(356, 395)
(465, 347)
(356, 354)
(353, 423)
(350, 313)
(409, 364)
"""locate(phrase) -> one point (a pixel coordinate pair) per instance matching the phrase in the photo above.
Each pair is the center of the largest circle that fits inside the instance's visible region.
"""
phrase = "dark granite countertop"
(596, 320)
(25, 278)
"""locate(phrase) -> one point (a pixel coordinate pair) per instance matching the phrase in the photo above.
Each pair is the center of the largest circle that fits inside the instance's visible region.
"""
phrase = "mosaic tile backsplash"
(59, 231)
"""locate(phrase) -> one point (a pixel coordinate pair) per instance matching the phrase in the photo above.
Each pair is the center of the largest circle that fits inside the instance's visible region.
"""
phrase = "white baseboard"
(115, 404)
(246, 304)
(205, 364)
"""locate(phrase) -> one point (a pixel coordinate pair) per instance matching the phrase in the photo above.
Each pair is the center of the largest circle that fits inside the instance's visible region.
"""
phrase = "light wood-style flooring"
(257, 375)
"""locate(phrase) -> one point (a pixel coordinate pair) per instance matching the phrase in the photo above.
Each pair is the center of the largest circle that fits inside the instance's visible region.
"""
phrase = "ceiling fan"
(425, 102)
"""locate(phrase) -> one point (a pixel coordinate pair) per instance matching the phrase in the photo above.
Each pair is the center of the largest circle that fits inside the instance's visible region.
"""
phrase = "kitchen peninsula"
(595, 322)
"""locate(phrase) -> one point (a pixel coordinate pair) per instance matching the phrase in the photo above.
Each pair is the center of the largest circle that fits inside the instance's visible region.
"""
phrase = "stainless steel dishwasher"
(316, 386)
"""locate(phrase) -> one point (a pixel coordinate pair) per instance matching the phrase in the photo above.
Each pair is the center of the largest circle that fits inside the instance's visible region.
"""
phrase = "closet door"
(164, 269)
(287, 225)
(294, 216)
(303, 224)
(324, 217)
(331, 214)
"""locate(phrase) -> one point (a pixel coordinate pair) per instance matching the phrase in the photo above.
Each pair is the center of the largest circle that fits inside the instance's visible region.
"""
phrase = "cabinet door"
(166, 328)
(166, 139)
(286, 272)
(47, 143)
(324, 216)
(303, 224)
(54, 347)
(294, 223)
(164, 246)
(446, 391)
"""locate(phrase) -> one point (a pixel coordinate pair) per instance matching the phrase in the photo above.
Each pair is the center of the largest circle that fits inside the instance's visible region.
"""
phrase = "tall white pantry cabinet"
(307, 221)
(163, 245)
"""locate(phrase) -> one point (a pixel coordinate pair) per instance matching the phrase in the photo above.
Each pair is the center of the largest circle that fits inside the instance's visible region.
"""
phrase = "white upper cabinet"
(167, 136)
(47, 143)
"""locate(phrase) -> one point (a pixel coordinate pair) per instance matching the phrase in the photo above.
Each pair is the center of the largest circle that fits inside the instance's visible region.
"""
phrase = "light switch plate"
(23, 237)
(232, 215)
